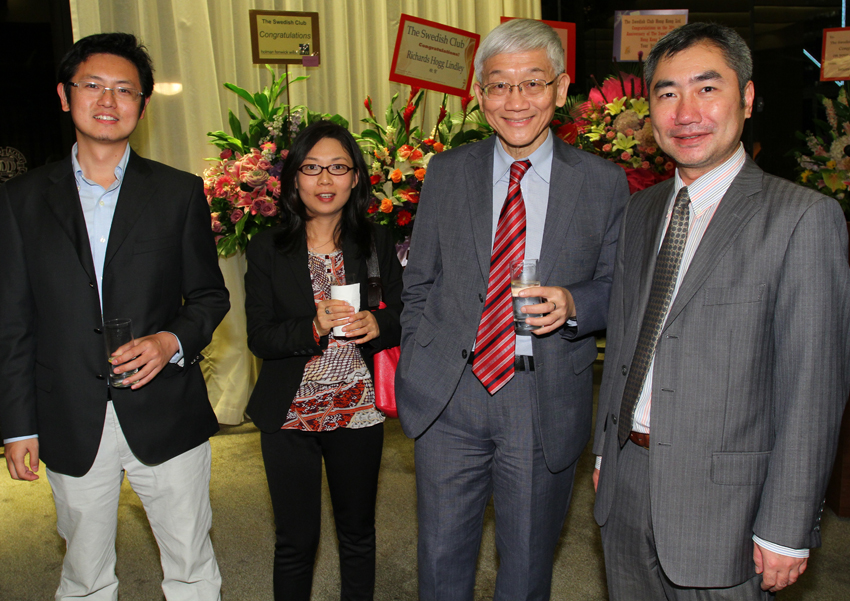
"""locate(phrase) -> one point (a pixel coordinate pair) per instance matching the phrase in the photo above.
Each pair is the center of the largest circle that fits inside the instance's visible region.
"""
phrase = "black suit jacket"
(280, 309)
(160, 270)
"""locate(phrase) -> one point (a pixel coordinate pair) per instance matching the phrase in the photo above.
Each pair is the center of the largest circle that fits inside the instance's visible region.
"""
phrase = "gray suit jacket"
(445, 283)
(750, 376)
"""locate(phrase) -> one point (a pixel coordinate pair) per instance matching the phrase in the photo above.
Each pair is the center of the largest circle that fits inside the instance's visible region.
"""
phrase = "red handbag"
(383, 372)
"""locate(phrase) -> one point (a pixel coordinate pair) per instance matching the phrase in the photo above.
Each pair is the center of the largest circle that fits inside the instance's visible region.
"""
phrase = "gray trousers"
(484, 445)
(631, 562)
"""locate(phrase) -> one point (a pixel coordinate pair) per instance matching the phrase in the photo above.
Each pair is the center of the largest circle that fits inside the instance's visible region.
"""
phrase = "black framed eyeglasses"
(335, 169)
(94, 89)
(531, 88)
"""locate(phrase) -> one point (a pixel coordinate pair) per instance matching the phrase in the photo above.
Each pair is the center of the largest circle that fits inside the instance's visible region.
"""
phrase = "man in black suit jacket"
(105, 234)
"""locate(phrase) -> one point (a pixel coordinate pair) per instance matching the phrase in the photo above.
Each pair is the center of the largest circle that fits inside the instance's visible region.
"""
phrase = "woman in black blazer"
(314, 398)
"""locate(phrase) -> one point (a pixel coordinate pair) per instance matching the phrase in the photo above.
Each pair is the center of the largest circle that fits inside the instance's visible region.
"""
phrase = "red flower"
(464, 102)
(410, 195)
(373, 208)
(403, 218)
(407, 115)
(443, 113)
(616, 87)
(375, 179)
(568, 132)
(368, 104)
(413, 92)
(225, 154)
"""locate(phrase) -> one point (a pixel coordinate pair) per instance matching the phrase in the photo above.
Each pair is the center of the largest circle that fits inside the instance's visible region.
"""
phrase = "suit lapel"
(734, 211)
(136, 192)
(64, 200)
(479, 177)
(565, 184)
(299, 267)
(645, 228)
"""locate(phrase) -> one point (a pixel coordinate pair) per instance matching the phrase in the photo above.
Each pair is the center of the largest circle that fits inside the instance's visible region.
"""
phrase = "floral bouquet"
(825, 165)
(398, 155)
(614, 123)
(243, 183)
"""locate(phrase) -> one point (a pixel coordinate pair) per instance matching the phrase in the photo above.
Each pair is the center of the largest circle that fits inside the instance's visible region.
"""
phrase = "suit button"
(98, 331)
(480, 297)
(91, 285)
(613, 419)
(464, 354)
(99, 376)
(625, 370)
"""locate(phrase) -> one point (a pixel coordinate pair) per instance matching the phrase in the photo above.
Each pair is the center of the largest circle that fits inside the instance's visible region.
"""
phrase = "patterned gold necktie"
(660, 294)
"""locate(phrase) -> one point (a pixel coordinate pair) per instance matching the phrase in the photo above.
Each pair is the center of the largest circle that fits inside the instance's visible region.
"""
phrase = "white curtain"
(201, 44)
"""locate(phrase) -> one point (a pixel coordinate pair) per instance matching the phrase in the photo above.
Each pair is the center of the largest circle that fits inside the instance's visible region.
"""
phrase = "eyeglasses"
(94, 89)
(314, 170)
(531, 88)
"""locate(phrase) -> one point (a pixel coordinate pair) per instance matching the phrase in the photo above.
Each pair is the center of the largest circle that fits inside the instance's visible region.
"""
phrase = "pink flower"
(264, 165)
(268, 209)
(630, 132)
(644, 165)
(257, 206)
(610, 135)
(225, 154)
(273, 186)
(224, 185)
(284, 153)
(245, 199)
(269, 146)
(625, 156)
(668, 166)
(236, 215)
(255, 178)
(606, 148)
(659, 160)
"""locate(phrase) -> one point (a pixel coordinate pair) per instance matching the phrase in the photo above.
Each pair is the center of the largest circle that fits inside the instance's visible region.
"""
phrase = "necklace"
(315, 249)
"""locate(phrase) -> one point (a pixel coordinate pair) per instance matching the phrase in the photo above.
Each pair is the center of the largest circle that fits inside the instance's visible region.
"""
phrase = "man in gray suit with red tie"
(107, 234)
(726, 371)
(494, 413)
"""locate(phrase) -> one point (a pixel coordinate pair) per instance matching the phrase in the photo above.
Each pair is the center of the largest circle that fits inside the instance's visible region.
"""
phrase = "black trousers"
(293, 461)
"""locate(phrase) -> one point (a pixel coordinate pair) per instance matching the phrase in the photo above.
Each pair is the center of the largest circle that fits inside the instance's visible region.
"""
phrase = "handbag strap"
(374, 286)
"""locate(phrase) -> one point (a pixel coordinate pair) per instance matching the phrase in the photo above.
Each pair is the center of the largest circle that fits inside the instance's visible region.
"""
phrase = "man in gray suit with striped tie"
(726, 367)
(510, 418)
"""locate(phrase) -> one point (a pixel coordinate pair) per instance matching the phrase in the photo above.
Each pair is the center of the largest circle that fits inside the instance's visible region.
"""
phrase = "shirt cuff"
(787, 551)
(178, 356)
(17, 438)
(598, 462)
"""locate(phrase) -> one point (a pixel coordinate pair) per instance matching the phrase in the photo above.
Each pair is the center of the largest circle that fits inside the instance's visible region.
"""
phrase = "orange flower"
(438, 147)
(420, 174)
(396, 176)
(386, 206)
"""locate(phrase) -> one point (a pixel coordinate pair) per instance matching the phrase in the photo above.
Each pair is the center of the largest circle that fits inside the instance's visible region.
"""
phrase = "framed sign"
(835, 57)
(637, 31)
(433, 56)
(284, 37)
(567, 33)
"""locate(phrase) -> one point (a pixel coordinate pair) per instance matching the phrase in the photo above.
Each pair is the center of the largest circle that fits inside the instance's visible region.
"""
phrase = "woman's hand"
(330, 313)
(364, 325)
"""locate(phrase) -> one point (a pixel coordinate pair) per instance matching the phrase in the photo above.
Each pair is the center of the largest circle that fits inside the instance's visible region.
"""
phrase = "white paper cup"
(351, 295)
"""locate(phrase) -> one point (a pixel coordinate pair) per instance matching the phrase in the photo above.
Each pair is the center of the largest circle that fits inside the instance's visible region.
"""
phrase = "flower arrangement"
(614, 123)
(243, 183)
(825, 164)
(398, 155)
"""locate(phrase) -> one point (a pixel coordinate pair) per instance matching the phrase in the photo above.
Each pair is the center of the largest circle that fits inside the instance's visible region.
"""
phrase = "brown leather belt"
(641, 439)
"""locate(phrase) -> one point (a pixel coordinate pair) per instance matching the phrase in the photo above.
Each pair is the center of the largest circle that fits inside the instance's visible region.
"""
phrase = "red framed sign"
(433, 56)
(567, 33)
(835, 56)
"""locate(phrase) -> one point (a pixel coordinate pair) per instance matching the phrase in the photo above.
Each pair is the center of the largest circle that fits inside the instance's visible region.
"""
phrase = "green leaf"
(339, 120)
(262, 103)
(251, 113)
(235, 126)
(242, 93)
(371, 134)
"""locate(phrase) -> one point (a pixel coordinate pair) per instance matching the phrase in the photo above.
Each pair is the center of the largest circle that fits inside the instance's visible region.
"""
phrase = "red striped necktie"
(495, 343)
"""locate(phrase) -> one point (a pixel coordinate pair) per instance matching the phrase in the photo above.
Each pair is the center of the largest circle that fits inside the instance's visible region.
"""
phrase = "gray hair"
(520, 35)
(734, 48)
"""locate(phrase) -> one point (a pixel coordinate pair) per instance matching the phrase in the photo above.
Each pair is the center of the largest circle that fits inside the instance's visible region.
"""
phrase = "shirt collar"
(120, 168)
(709, 188)
(541, 160)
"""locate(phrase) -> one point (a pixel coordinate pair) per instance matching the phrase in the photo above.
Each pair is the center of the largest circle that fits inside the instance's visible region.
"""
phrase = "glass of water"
(524, 275)
(117, 333)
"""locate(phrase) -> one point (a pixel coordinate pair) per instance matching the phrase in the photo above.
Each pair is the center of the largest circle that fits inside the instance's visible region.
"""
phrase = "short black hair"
(733, 47)
(120, 44)
(354, 223)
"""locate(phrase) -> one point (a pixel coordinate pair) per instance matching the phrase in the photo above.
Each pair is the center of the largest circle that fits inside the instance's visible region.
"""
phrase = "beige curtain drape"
(201, 44)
